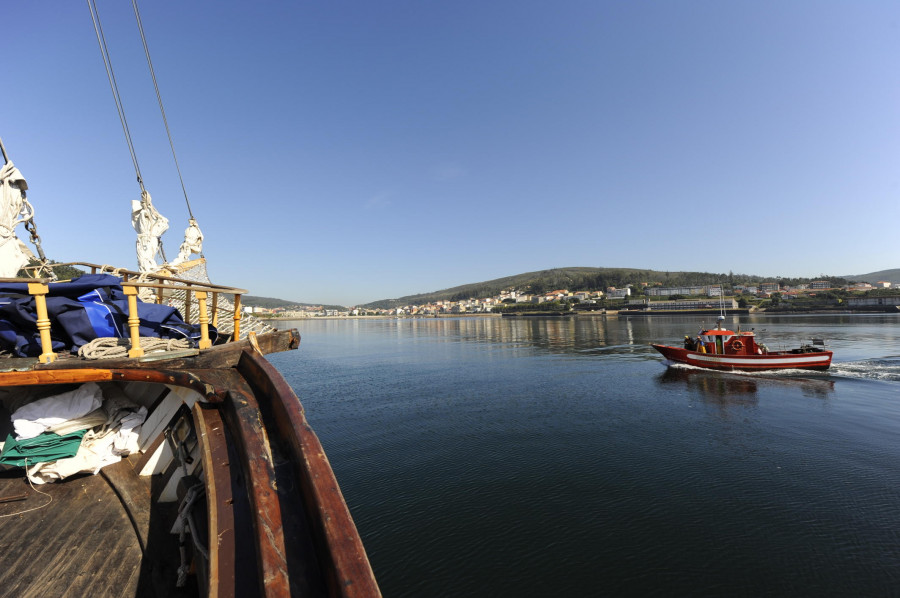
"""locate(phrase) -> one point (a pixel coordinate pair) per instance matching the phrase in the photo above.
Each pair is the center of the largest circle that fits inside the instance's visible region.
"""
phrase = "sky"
(349, 151)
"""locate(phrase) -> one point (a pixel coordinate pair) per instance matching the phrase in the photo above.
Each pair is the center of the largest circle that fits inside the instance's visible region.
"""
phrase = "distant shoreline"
(597, 314)
(387, 317)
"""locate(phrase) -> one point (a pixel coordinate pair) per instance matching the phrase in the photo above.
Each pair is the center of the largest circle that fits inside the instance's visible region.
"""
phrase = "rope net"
(222, 314)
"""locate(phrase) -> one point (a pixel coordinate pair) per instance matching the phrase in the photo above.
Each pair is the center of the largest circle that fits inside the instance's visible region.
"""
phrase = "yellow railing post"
(237, 317)
(205, 343)
(39, 291)
(134, 322)
(215, 310)
(187, 306)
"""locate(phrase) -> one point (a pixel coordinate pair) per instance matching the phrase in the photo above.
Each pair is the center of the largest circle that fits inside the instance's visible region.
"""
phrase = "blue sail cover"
(81, 310)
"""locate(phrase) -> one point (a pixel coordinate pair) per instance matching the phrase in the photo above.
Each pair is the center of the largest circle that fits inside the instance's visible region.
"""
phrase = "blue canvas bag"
(81, 310)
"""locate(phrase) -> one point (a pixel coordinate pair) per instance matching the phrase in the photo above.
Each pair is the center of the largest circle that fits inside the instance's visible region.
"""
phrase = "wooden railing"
(131, 283)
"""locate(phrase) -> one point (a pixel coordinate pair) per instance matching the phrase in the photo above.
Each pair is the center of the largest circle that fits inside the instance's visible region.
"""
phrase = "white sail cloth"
(37, 417)
(115, 428)
(193, 243)
(149, 225)
(99, 447)
(14, 209)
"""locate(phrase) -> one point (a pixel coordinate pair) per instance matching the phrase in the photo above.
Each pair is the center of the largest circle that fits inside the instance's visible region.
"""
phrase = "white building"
(618, 293)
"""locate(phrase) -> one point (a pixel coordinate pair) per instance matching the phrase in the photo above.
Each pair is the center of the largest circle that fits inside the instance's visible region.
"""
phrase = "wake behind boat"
(722, 349)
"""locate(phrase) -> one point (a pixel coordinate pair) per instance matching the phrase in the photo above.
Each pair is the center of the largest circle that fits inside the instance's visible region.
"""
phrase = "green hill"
(272, 303)
(577, 279)
(891, 276)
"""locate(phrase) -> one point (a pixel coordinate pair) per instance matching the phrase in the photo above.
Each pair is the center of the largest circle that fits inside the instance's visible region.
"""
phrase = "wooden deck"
(280, 525)
(76, 545)
(84, 542)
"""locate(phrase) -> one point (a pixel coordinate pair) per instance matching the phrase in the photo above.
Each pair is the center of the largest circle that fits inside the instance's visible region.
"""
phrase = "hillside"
(892, 276)
(272, 303)
(576, 279)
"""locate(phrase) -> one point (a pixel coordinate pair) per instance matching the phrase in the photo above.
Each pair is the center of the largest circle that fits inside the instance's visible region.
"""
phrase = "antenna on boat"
(721, 317)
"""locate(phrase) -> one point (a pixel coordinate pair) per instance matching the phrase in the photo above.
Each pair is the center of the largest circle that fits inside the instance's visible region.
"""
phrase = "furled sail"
(193, 243)
(14, 209)
(149, 225)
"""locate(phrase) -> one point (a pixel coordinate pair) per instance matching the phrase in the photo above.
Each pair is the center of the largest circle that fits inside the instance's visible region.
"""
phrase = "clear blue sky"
(343, 152)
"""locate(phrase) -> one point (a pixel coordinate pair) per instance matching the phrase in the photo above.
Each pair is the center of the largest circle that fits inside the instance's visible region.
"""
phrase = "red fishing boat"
(721, 349)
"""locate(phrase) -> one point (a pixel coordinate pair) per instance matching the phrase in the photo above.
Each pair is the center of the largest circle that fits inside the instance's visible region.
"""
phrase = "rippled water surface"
(561, 457)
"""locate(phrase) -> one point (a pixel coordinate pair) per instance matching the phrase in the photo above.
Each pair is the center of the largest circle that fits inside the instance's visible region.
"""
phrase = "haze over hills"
(578, 278)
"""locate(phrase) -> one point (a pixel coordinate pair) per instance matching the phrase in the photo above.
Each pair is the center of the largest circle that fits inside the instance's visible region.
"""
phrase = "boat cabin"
(721, 341)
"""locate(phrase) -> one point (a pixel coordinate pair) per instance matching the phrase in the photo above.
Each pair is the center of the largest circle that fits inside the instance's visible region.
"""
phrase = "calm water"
(560, 457)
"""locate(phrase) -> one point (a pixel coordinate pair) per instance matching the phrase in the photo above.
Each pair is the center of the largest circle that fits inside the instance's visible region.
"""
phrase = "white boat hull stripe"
(758, 360)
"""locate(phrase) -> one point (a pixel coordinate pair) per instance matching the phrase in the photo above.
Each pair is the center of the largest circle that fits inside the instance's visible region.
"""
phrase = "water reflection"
(729, 388)
(466, 428)
(852, 338)
(714, 387)
(554, 335)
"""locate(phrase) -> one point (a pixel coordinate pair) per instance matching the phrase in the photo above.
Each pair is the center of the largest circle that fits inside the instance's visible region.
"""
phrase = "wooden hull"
(780, 360)
(272, 516)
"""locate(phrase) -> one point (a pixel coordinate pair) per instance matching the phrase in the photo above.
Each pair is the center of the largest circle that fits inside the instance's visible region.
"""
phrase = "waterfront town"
(631, 296)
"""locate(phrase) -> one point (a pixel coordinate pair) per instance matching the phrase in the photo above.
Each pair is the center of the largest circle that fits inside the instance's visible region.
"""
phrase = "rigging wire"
(104, 52)
(137, 16)
(27, 218)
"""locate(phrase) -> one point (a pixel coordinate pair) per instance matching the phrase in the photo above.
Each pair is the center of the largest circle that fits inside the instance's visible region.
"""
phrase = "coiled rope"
(110, 347)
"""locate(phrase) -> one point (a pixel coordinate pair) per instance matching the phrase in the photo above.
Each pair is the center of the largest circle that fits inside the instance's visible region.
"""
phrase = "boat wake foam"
(783, 373)
(885, 368)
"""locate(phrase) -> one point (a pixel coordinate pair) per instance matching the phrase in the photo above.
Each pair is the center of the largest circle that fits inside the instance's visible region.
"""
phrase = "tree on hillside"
(62, 272)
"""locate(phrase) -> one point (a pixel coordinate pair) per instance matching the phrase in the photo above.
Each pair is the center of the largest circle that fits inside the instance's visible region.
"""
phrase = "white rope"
(109, 347)
(107, 268)
(145, 294)
(28, 477)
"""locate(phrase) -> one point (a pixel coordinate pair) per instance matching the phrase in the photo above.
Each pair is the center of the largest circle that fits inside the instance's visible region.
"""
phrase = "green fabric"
(46, 447)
